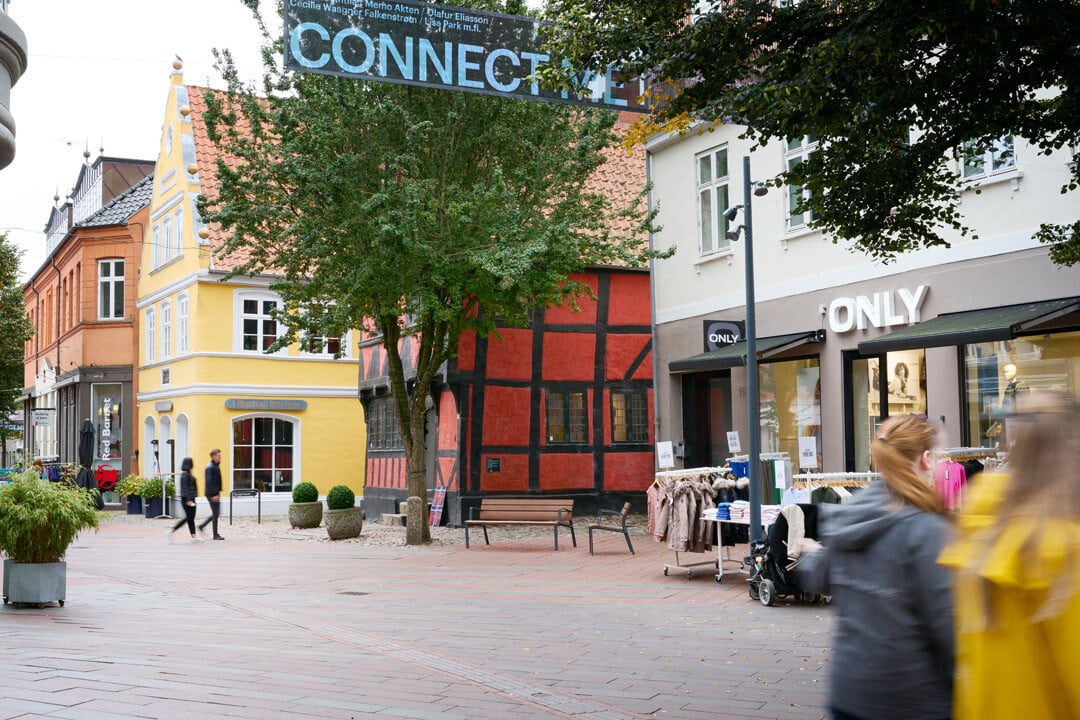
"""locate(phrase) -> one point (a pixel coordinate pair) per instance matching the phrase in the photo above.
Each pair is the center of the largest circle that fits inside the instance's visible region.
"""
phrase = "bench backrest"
(525, 509)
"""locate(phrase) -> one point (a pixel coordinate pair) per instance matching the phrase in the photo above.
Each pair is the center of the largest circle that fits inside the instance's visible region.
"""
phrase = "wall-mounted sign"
(723, 333)
(665, 454)
(163, 406)
(733, 443)
(41, 418)
(880, 310)
(421, 43)
(260, 404)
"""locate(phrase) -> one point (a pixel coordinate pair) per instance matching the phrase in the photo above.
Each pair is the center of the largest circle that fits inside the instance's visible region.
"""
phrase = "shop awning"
(973, 326)
(735, 355)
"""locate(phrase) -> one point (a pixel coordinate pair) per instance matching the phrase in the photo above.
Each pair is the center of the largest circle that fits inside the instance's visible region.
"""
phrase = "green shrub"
(340, 497)
(151, 488)
(129, 485)
(305, 492)
(40, 519)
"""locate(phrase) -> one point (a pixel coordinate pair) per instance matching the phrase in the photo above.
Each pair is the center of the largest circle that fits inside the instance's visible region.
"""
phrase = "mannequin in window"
(1014, 386)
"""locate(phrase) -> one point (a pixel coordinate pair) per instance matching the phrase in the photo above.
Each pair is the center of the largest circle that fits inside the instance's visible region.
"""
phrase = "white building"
(844, 340)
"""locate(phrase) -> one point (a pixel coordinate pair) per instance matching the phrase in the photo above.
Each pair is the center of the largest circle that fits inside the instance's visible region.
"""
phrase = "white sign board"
(41, 418)
(808, 452)
(665, 454)
(733, 443)
(781, 474)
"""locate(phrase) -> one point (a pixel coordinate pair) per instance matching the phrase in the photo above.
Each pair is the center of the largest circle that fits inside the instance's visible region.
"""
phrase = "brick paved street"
(268, 626)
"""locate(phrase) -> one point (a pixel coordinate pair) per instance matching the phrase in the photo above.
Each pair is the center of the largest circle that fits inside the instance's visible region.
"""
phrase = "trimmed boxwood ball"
(305, 492)
(340, 497)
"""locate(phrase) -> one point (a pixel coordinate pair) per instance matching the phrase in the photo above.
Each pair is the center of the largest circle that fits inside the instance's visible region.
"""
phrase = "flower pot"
(134, 505)
(35, 583)
(305, 515)
(345, 523)
(152, 507)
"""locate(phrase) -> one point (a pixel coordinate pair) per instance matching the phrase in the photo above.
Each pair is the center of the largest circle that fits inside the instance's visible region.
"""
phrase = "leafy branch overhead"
(891, 89)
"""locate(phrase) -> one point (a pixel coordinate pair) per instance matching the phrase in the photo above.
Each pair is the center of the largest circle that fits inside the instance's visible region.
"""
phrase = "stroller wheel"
(754, 592)
(767, 593)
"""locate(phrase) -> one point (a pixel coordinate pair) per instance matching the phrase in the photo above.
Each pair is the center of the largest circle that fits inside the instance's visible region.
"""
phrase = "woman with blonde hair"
(1017, 567)
(892, 653)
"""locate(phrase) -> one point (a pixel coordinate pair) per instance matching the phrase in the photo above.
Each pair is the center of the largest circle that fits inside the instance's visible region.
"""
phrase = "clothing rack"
(663, 476)
(761, 456)
(969, 453)
(826, 479)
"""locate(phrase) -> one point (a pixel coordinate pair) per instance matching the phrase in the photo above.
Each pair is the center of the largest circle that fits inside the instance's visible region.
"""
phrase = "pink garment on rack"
(949, 479)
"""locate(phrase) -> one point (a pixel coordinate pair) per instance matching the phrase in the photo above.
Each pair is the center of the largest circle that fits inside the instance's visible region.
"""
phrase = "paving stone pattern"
(279, 623)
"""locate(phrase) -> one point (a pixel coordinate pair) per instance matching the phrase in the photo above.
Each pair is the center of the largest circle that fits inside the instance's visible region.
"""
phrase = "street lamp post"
(753, 409)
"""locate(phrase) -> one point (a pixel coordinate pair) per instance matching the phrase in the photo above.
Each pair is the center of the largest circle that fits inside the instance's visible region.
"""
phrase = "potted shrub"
(343, 518)
(128, 488)
(305, 510)
(150, 492)
(38, 522)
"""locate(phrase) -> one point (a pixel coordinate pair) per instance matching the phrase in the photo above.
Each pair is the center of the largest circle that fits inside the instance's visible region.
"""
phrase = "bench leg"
(572, 536)
(466, 537)
(590, 542)
(556, 529)
(486, 541)
(627, 535)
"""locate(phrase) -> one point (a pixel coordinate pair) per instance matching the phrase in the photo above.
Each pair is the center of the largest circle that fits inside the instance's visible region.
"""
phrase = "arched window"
(165, 447)
(182, 449)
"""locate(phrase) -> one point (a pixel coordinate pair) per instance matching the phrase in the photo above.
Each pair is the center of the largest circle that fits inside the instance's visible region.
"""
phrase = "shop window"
(110, 290)
(997, 374)
(798, 150)
(629, 416)
(263, 454)
(790, 409)
(383, 431)
(567, 417)
(712, 186)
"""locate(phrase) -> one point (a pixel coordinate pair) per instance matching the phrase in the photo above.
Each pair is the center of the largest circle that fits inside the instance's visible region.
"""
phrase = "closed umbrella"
(85, 476)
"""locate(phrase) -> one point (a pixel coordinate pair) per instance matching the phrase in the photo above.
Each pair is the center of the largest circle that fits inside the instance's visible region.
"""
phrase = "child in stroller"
(773, 559)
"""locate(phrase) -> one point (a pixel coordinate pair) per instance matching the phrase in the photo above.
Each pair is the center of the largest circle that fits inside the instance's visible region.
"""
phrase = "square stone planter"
(35, 583)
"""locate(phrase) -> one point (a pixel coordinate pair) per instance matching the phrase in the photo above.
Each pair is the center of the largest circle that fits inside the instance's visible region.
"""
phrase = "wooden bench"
(549, 512)
(612, 526)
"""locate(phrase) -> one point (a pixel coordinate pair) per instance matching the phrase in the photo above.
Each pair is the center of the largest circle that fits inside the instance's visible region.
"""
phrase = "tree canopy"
(891, 89)
(408, 211)
(15, 329)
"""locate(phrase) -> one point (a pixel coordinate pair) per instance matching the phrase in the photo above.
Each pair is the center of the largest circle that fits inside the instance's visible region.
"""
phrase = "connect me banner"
(421, 43)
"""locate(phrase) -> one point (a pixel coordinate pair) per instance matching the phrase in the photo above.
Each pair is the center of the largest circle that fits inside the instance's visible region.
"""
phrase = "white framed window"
(151, 334)
(256, 328)
(110, 289)
(265, 453)
(178, 233)
(182, 324)
(980, 161)
(166, 239)
(797, 150)
(155, 246)
(166, 329)
(712, 186)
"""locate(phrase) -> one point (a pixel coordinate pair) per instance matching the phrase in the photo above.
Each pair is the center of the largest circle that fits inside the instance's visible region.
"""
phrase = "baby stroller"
(772, 573)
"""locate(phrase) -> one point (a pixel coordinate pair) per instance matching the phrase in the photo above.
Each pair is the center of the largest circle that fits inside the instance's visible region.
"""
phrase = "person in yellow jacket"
(1017, 564)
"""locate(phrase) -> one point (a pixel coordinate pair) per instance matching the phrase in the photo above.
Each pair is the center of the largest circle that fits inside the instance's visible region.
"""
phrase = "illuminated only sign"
(420, 43)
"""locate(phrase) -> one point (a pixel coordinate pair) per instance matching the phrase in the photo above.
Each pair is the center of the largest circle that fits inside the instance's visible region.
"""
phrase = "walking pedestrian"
(188, 492)
(893, 643)
(1017, 564)
(212, 490)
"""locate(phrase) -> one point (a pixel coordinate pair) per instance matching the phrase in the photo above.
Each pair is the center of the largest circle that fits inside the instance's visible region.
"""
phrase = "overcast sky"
(98, 76)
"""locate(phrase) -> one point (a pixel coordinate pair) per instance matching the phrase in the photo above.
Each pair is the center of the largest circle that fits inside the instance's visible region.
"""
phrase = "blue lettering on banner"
(420, 43)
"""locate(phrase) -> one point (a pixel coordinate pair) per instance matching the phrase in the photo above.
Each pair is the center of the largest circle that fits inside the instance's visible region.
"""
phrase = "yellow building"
(205, 380)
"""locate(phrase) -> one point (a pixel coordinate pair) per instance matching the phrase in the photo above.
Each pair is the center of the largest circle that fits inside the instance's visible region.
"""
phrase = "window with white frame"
(166, 329)
(166, 239)
(110, 289)
(313, 344)
(263, 454)
(155, 246)
(981, 160)
(257, 328)
(151, 335)
(178, 233)
(712, 184)
(182, 324)
(798, 150)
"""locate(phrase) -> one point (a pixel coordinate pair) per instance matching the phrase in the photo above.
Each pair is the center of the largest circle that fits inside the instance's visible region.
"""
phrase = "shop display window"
(790, 403)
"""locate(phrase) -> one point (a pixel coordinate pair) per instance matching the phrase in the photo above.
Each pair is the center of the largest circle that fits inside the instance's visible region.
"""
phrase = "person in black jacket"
(212, 491)
(188, 492)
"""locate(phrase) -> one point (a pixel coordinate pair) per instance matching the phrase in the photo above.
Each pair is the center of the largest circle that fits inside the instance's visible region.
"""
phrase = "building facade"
(205, 379)
(844, 341)
(81, 302)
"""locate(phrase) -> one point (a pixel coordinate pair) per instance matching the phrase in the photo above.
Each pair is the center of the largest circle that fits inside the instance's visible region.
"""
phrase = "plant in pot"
(128, 488)
(38, 522)
(343, 518)
(150, 491)
(305, 510)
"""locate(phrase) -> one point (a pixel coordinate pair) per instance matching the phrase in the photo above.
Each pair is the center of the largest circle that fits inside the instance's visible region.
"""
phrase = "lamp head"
(761, 189)
(733, 235)
(731, 213)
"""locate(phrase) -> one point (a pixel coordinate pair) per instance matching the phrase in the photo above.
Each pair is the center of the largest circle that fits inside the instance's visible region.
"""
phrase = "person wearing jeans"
(212, 490)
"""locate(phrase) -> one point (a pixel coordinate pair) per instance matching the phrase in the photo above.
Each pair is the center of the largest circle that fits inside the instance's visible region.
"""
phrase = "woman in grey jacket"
(893, 643)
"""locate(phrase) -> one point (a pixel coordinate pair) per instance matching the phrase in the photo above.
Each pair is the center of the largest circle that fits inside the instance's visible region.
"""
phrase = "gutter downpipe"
(652, 309)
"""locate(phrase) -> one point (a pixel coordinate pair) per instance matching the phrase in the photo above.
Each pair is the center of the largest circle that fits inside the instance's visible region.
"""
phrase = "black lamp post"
(753, 409)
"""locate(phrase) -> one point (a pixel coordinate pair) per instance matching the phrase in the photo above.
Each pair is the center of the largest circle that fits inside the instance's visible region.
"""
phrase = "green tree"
(15, 329)
(892, 89)
(408, 211)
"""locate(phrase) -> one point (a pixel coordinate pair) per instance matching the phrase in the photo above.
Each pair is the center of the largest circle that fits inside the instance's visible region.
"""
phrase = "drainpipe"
(652, 308)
